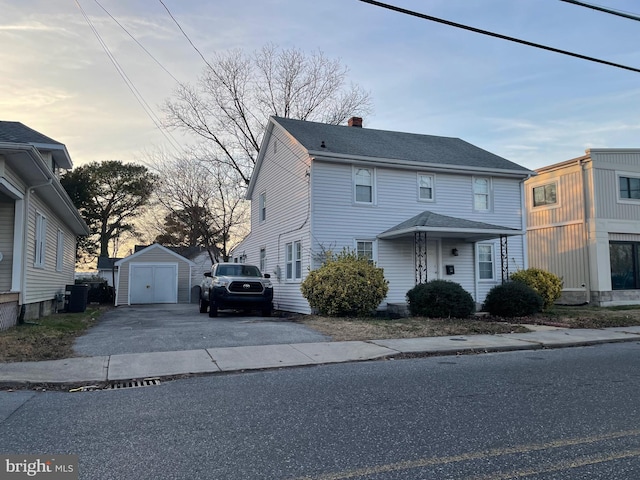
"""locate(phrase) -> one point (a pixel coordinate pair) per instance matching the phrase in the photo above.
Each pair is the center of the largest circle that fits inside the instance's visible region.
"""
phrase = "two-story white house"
(584, 225)
(421, 207)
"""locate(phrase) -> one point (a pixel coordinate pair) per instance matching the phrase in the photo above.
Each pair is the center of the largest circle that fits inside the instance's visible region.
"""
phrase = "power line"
(185, 34)
(136, 93)
(135, 40)
(604, 9)
(497, 35)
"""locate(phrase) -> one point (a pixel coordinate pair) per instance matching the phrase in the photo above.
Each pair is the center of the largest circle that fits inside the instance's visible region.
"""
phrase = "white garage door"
(153, 284)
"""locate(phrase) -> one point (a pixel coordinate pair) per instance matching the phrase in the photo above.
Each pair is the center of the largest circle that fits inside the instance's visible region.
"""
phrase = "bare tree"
(204, 203)
(238, 92)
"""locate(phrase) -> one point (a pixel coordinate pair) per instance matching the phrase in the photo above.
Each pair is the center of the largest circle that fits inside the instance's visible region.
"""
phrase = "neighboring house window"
(629, 188)
(485, 262)
(625, 265)
(545, 195)
(364, 249)
(294, 260)
(481, 188)
(364, 185)
(60, 251)
(263, 206)
(263, 259)
(41, 237)
(425, 187)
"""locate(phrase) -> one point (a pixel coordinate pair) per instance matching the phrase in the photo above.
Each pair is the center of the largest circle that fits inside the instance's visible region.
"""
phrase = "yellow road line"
(496, 452)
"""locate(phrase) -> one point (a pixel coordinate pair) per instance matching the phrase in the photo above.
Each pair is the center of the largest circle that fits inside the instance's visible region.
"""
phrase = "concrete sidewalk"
(138, 366)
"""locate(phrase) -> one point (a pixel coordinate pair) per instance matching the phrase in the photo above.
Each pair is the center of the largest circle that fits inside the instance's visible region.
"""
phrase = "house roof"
(452, 227)
(430, 150)
(155, 246)
(16, 132)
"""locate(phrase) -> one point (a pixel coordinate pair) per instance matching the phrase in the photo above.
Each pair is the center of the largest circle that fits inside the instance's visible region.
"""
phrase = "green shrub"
(546, 284)
(513, 299)
(440, 299)
(345, 285)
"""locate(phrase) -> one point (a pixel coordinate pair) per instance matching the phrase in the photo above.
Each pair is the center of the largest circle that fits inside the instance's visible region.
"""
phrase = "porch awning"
(443, 226)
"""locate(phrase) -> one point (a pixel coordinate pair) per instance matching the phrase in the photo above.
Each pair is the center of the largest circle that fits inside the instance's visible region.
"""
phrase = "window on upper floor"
(481, 194)
(262, 205)
(485, 261)
(426, 184)
(364, 183)
(629, 187)
(41, 240)
(545, 195)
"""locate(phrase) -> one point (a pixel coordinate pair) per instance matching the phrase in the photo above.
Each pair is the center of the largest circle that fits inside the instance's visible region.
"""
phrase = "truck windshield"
(239, 271)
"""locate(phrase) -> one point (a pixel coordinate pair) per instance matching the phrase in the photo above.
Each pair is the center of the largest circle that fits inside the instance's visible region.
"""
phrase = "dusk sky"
(530, 106)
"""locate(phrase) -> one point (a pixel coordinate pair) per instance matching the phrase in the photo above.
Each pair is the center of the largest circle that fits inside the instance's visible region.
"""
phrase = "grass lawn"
(47, 338)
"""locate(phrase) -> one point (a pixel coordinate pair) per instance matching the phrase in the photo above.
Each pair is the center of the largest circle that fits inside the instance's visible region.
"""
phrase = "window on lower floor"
(60, 251)
(41, 236)
(485, 262)
(364, 249)
(625, 265)
(263, 259)
(293, 252)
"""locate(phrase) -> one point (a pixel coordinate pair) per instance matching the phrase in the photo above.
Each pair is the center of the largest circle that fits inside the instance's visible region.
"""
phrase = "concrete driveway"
(164, 328)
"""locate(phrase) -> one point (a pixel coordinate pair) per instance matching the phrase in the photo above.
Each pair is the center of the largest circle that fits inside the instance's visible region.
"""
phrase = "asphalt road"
(165, 328)
(551, 414)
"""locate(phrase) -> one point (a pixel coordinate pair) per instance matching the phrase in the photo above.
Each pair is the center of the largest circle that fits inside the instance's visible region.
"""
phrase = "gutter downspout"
(586, 210)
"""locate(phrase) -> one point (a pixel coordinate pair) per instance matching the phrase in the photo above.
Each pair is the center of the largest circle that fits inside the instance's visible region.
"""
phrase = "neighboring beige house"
(583, 224)
(154, 274)
(38, 224)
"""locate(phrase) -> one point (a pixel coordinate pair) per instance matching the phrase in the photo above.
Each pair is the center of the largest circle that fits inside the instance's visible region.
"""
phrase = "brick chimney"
(355, 122)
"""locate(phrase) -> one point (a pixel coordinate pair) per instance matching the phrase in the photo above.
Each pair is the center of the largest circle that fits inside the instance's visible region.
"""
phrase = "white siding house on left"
(38, 224)
(419, 206)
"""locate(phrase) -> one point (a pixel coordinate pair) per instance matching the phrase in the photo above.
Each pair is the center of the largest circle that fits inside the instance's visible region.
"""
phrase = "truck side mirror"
(266, 275)
(207, 274)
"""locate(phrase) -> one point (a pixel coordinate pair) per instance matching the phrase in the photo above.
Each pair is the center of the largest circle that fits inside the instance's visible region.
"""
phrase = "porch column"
(504, 258)
(420, 259)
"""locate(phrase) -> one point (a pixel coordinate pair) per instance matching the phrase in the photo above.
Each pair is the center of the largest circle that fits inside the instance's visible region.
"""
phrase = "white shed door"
(154, 284)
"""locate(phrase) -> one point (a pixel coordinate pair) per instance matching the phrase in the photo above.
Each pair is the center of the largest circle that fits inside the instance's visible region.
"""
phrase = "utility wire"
(135, 40)
(604, 9)
(185, 34)
(497, 35)
(136, 93)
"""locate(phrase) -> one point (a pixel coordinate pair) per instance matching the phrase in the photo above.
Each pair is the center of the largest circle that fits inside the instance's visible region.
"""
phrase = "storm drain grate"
(147, 382)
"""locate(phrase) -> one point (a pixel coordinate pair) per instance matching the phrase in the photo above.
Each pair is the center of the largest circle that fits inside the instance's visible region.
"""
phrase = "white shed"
(153, 275)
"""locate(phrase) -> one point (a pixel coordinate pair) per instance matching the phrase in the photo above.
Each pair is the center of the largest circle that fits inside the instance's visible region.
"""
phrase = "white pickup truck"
(236, 286)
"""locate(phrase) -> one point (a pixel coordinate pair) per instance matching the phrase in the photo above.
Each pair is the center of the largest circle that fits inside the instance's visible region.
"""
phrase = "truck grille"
(246, 287)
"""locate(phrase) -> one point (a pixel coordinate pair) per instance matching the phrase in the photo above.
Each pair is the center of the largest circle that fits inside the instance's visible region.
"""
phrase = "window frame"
(431, 176)
(628, 176)
(60, 251)
(293, 261)
(546, 204)
(355, 183)
(488, 194)
(262, 207)
(40, 240)
(359, 241)
(492, 262)
(263, 259)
